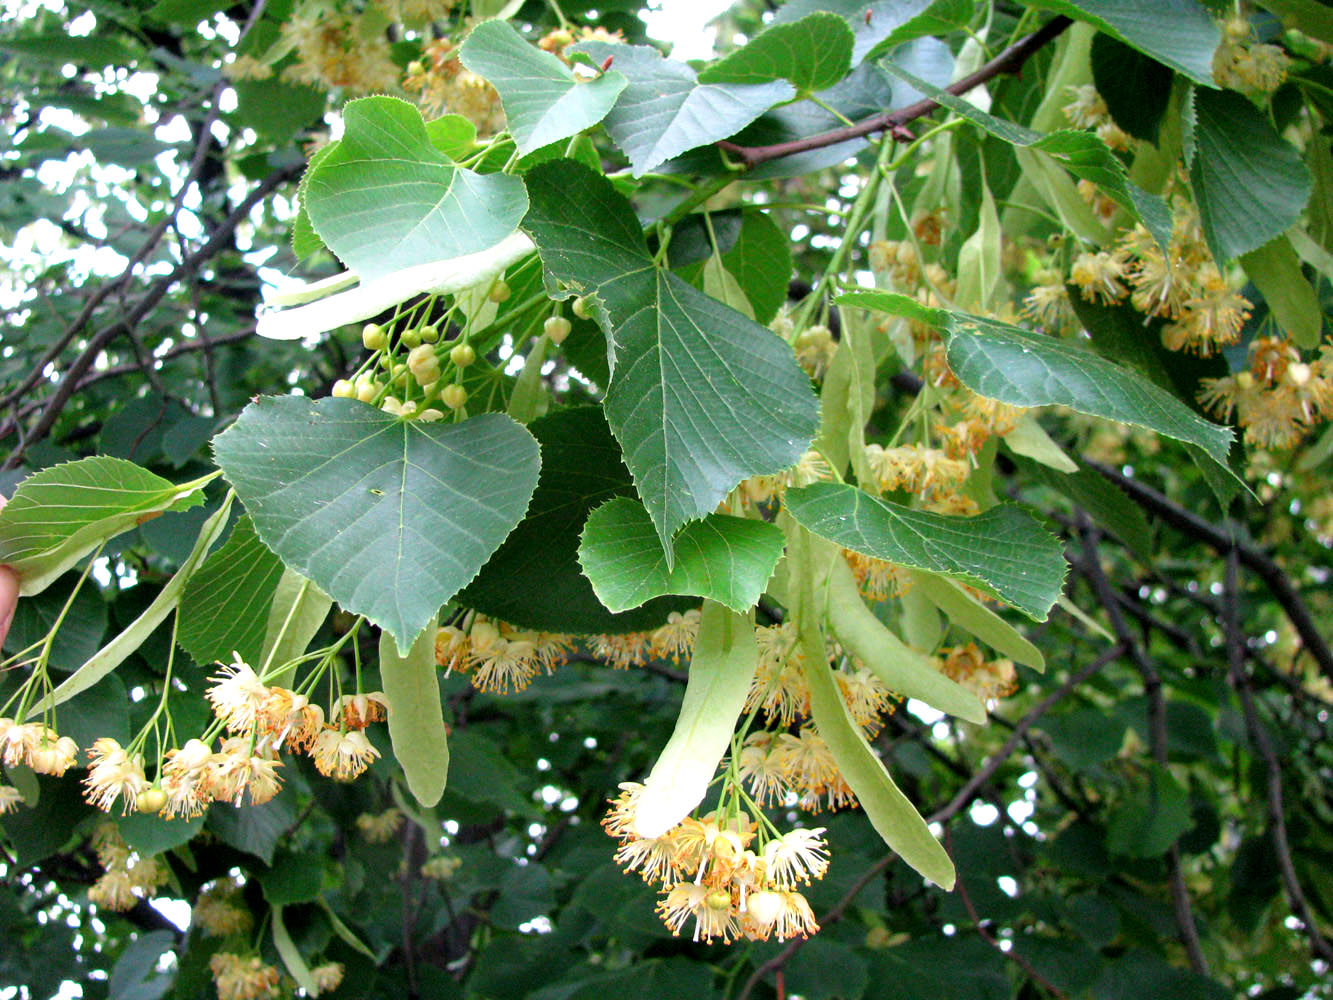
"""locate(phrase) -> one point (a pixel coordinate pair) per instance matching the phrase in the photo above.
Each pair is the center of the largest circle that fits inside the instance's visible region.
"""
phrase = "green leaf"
(1026, 369)
(725, 559)
(890, 22)
(827, 970)
(813, 54)
(693, 381)
(416, 718)
(385, 198)
(390, 518)
(59, 515)
(905, 671)
(292, 878)
(150, 834)
(1083, 154)
(253, 829)
(1004, 551)
(1135, 87)
(725, 659)
(1031, 441)
(1149, 820)
(1249, 182)
(1104, 501)
(1276, 272)
(534, 580)
(225, 605)
(1309, 16)
(894, 818)
(135, 975)
(290, 954)
(305, 241)
(665, 110)
(110, 656)
(755, 251)
(276, 109)
(1180, 33)
(88, 52)
(544, 102)
(973, 617)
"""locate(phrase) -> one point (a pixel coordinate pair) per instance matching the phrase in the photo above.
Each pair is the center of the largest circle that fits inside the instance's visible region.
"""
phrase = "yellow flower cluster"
(379, 829)
(499, 656)
(262, 721)
(1279, 397)
(241, 977)
(984, 678)
(219, 912)
(128, 877)
(1242, 63)
(711, 873)
(1087, 109)
(441, 84)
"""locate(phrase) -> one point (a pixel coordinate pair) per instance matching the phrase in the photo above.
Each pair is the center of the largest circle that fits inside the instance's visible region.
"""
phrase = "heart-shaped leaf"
(693, 380)
(385, 198)
(726, 559)
(389, 517)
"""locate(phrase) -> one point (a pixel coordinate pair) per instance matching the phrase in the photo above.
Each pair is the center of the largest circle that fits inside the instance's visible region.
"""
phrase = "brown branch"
(969, 791)
(1157, 737)
(1252, 558)
(1240, 681)
(1011, 954)
(150, 241)
(156, 292)
(1011, 60)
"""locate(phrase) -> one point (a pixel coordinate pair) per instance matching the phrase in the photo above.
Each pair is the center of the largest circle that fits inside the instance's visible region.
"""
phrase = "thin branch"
(1011, 954)
(1240, 681)
(156, 292)
(1273, 576)
(1157, 737)
(969, 791)
(1011, 60)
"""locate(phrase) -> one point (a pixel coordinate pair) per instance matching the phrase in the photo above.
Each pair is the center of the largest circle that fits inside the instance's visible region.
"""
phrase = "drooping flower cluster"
(37, 746)
(381, 828)
(260, 721)
(985, 678)
(499, 657)
(243, 977)
(1242, 63)
(1278, 397)
(127, 876)
(219, 911)
(711, 874)
(440, 83)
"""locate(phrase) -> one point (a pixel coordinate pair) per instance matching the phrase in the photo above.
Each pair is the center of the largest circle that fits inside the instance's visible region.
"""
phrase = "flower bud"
(454, 396)
(499, 292)
(557, 329)
(151, 800)
(462, 355)
(343, 389)
(373, 337)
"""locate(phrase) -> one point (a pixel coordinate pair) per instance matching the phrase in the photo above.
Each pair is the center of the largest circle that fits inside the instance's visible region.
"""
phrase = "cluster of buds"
(243, 977)
(380, 828)
(710, 871)
(37, 746)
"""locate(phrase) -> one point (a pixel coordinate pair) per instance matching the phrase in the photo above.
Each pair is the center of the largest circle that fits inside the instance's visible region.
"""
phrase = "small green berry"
(410, 338)
(343, 389)
(499, 292)
(582, 308)
(429, 334)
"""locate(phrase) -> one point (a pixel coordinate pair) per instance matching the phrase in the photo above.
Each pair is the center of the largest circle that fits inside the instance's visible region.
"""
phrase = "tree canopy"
(499, 506)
